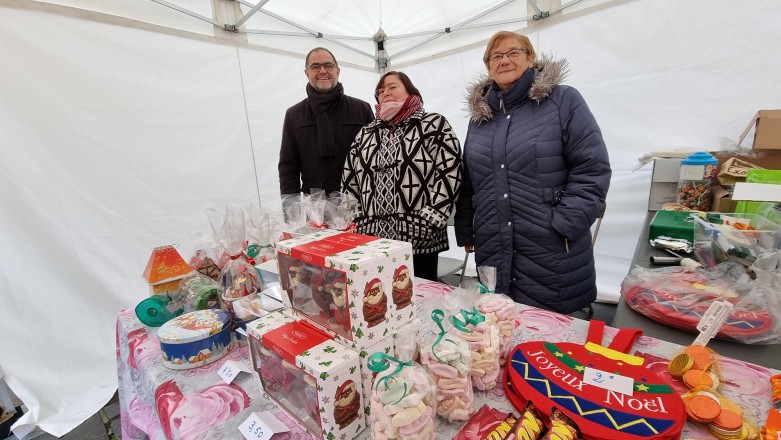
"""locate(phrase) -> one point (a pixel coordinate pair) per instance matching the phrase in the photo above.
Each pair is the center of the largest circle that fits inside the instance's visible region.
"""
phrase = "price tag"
(261, 426)
(712, 321)
(231, 369)
(609, 381)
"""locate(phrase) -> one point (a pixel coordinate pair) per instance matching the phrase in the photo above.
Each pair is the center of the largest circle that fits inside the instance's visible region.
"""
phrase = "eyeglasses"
(512, 54)
(327, 66)
(390, 89)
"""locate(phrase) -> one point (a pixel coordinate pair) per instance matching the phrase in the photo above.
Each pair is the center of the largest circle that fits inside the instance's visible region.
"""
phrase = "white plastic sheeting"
(114, 139)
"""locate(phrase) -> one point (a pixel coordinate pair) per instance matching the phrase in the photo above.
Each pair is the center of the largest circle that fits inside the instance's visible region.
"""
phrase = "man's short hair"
(306, 61)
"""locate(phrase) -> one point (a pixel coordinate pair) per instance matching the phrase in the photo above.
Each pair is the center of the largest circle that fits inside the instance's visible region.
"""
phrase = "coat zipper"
(501, 105)
(566, 244)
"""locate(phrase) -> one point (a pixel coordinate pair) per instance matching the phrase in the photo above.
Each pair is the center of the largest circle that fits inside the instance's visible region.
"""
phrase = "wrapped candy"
(698, 367)
(340, 211)
(448, 360)
(199, 292)
(238, 277)
(403, 402)
(496, 307)
(485, 343)
(263, 230)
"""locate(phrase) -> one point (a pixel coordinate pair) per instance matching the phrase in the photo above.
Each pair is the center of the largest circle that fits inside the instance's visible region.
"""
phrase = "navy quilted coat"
(537, 174)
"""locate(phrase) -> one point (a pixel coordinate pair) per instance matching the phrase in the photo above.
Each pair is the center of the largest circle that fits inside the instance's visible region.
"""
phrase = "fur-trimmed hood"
(549, 73)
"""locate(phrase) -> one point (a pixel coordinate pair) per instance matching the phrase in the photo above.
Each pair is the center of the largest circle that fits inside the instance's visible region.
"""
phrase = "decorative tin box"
(195, 339)
(357, 288)
(316, 380)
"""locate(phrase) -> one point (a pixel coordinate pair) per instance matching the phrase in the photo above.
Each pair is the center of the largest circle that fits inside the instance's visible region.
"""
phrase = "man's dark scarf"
(321, 103)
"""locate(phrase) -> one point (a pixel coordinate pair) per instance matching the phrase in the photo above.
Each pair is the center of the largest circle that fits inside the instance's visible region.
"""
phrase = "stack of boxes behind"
(344, 287)
(766, 154)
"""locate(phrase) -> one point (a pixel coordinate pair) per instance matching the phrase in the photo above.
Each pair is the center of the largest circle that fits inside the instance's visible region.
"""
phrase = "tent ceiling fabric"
(414, 30)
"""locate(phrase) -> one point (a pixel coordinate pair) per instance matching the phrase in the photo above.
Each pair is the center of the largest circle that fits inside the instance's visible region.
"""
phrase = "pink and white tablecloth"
(159, 404)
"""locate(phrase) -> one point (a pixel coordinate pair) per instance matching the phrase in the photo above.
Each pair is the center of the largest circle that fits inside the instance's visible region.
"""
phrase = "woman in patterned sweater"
(405, 169)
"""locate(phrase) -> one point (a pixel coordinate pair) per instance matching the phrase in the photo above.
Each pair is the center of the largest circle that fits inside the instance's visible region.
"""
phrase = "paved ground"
(105, 425)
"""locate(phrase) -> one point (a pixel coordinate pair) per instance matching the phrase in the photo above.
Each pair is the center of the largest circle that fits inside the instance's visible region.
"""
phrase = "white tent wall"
(115, 139)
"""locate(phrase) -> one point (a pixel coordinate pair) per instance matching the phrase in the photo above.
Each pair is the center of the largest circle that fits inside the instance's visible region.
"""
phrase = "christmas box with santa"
(314, 378)
(356, 287)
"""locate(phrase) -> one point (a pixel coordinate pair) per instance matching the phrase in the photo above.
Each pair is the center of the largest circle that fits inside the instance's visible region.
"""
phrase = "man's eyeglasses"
(390, 89)
(327, 66)
(512, 54)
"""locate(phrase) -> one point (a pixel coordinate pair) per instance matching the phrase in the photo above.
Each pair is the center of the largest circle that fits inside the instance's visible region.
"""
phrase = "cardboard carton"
(315, 379)
(767, 133)
(355, 287)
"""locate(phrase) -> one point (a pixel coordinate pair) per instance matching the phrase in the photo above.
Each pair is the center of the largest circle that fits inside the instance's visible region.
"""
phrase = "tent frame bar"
(186, 11)
(249, 14)
(307, 30)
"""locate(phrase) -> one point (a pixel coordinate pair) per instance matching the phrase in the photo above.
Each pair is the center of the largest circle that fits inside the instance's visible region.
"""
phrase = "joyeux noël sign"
(552, 375)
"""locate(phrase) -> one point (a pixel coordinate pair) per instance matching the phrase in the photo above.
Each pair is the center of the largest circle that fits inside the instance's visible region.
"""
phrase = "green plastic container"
(672, 224)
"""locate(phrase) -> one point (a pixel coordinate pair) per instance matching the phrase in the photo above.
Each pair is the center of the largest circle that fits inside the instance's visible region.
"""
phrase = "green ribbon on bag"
(379, 362)
(481, 287)
(437, 316)
(471, 317)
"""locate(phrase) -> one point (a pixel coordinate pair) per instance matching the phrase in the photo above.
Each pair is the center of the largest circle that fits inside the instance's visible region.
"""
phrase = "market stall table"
(158, 403)
(765, 355)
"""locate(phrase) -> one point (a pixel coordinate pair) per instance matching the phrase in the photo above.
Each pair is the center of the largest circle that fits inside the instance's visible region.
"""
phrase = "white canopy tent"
(121, 121)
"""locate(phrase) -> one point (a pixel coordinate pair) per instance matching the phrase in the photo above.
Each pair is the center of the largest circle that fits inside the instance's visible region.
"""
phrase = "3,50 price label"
(261, 426)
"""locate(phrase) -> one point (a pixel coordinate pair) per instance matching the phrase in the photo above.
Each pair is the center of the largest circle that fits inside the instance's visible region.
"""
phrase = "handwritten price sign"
(261, 426)
(231, 369)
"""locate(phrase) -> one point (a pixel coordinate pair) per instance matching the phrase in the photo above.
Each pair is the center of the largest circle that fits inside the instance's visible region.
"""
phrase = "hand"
(469, 248)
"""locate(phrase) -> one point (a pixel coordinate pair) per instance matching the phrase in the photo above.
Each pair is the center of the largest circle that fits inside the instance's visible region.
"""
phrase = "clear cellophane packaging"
(314, 209)
(294, 216)
(496, 307)
(679, 297)
(207, 258)
(263, 230)
(199, 292)
(238, 277)
(340, 211)
(697, 367)
(403, 400)
(407, 340)
(479, 331)
(448, 359)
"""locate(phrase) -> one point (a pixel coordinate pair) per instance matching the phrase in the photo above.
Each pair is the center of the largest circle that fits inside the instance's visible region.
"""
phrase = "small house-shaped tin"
(195, 339)
(356, 287)
(164, 270)
(314, 378)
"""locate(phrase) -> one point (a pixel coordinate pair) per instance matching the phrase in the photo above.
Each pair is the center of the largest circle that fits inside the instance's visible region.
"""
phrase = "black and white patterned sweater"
(406, 183)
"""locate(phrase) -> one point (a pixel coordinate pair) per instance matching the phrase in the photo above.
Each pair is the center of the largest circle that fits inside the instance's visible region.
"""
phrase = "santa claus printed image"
(346, 404)
(375, 303)
(339, 308)
(402, 287)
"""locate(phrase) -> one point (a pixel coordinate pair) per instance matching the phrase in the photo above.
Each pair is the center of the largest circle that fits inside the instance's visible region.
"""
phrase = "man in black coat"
(319, 130)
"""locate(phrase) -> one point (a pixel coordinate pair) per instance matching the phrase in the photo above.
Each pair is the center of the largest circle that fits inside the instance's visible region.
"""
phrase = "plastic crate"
(716, 239)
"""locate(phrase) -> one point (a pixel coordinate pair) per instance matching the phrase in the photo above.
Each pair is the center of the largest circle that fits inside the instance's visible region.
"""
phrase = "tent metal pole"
(186, 11)
(428, 40)
(310, 31)
(458, 26)
(251, 12)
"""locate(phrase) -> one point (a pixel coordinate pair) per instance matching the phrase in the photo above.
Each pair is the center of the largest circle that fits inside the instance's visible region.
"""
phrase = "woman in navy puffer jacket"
(537, 174)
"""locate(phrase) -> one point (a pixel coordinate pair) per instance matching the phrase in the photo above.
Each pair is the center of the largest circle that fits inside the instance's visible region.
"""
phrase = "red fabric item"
(551, 375)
